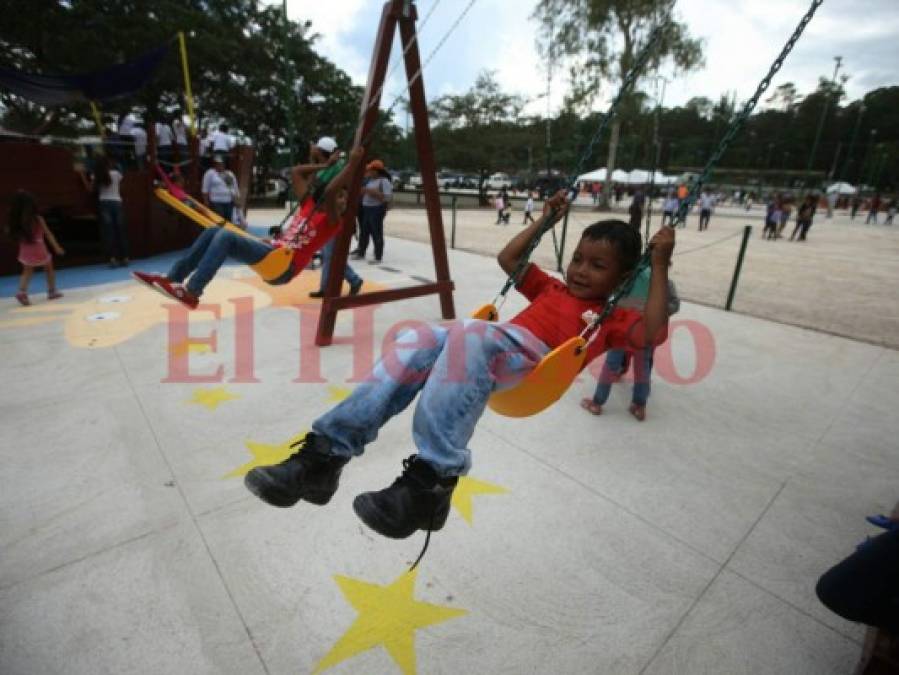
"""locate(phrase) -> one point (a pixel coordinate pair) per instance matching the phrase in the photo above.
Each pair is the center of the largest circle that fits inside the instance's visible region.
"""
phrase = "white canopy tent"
(635, 177)
(842, 189)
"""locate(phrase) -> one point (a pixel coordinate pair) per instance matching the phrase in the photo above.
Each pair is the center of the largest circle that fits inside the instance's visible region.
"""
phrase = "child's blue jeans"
(456, 367)
(207, 254)
(348, 273)
(612, 368)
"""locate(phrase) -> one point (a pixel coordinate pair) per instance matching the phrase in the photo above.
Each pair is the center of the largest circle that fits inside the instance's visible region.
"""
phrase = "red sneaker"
(177, 292)
(148, 279)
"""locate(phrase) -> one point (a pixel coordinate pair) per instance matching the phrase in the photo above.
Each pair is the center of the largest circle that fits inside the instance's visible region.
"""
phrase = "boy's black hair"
(622, 236)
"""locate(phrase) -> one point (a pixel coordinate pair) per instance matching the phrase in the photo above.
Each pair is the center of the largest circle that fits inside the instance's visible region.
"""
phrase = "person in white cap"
(323, 151)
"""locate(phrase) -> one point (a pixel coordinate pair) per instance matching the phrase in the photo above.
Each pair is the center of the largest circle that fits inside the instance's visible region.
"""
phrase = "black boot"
(418, 500)
(311, 473)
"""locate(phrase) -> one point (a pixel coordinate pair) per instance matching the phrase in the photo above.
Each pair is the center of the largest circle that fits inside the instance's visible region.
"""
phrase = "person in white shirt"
(106, 182)
(669, 208)
(222, 141)
(220, 188)
(165, 137)
(180, 133)
(528, 208)
(140, 144)
(706, 203)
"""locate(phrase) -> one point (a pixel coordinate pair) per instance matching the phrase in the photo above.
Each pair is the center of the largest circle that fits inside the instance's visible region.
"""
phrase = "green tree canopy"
(240, 70)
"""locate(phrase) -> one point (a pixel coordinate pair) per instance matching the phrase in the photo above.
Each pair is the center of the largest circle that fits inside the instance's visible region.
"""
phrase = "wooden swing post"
(402, 12)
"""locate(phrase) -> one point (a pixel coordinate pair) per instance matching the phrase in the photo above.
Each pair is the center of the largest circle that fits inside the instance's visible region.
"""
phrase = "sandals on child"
(53, 295)
(591, 406)
(22, 297)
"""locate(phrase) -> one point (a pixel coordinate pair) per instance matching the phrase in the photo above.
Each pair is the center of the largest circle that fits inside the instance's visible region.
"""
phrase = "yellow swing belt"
(270, 268)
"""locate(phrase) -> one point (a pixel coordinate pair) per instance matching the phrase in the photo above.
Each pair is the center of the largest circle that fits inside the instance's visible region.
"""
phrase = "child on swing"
(310, 229)
(456, 367)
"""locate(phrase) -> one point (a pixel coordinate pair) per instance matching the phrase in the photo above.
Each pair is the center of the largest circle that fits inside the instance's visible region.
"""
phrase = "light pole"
(833, 84)
(657, 146)
(862, 170)
(858, 123)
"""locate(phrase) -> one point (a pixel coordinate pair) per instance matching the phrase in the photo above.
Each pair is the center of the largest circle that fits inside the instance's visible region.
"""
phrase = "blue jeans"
(612, 368)
(371, 224)
(224, 209)
(456, 367)
(349, 273)
(207, 254)
(115, 239)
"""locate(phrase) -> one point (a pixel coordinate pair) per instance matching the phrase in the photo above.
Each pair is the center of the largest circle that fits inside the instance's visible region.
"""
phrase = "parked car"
(446, 180)
(498, 181)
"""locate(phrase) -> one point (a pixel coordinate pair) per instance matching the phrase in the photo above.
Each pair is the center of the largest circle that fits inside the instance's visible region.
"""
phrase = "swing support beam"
(402, 14)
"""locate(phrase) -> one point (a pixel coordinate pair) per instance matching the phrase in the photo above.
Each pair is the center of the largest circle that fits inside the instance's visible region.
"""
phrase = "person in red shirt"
(457, 366)
(311, 228)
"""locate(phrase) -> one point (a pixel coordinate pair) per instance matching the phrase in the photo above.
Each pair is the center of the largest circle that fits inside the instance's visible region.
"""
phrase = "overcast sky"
(741, 39)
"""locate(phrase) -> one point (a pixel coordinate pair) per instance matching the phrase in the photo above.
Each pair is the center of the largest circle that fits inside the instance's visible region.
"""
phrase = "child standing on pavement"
(615, 364)
(28, 228)
(456, 367)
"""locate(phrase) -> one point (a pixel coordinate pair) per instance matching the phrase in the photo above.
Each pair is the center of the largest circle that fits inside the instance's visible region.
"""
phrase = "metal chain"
(686, 203)
(628, 82)
(384, 116)
(738, 122)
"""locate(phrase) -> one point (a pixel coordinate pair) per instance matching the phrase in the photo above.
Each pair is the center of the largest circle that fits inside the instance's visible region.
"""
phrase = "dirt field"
(843, 280)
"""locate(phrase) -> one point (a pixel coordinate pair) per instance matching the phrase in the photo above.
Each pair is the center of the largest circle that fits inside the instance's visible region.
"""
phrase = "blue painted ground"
(93, 275)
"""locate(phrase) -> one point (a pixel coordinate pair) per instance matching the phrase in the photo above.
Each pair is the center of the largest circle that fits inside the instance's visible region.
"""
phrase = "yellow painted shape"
(190, 347)
(466, 489)
(388, 616)
(265, 454)
(337, 394)
(28, 321)
(296, 292)
(545, 384)
(212, 398)
(55, 308)
(141, 308)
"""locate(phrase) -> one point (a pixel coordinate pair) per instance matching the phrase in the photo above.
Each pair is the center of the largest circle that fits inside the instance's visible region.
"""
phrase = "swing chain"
(625, 287)
(628, 82)
(740, 119)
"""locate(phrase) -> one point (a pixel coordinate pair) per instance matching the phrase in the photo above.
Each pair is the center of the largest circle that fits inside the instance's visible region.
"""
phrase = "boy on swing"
(456, 367)
(311, 228)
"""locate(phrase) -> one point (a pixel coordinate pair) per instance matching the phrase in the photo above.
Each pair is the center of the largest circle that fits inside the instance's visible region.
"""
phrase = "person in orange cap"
(377, 191)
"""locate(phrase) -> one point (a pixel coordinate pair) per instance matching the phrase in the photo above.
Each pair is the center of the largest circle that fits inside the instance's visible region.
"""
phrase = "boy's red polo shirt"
(555, 315)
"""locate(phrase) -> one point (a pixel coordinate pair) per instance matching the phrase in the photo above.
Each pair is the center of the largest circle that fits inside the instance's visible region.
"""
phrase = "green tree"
(240, 70)
(479, 130)
(600, 40)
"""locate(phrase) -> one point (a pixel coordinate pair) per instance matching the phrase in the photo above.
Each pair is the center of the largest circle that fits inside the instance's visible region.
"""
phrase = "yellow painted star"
(467, 488)
(338, 394)
(211, 398)
(388, 616)
(265, 455)
(188, 347)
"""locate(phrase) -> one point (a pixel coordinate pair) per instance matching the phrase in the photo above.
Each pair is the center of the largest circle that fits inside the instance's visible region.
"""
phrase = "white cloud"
(335, 21)
(741, 40)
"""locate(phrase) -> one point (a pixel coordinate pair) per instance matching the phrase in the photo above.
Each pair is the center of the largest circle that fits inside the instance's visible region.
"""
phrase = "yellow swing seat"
(544, 385)
(486, 313)
(270, 268)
